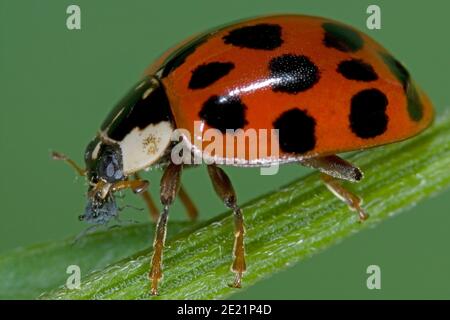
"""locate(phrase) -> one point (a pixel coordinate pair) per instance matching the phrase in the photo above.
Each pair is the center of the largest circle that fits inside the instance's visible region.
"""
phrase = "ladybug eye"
(110, 170)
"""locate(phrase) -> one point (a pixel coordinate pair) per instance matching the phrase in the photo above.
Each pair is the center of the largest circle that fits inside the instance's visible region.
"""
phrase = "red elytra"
(347, 63)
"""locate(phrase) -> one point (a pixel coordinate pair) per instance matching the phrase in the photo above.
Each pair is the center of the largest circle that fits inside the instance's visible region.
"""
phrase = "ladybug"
(324, 86)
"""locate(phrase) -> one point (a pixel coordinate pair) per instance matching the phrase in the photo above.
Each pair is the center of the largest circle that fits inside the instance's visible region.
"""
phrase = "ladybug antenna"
(59, 156)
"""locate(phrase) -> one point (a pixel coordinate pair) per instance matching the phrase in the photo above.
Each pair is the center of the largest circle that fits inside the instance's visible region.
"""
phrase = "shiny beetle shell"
(325, 86)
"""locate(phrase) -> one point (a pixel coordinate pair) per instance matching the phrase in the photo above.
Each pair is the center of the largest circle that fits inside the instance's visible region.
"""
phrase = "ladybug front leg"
(137, 186)
(170, 184)
(224, 189)
(334, 168)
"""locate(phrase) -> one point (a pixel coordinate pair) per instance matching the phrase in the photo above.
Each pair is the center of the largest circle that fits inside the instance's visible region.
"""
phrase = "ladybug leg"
(191, 209)
(170, 184)
(224, 189)
(138, 186)
(334, 168)
(352, 200)
(60, 156)
(154, 212)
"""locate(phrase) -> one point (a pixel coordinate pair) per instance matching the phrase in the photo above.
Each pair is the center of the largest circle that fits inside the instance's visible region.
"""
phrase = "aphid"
(325, 86)
(100, 212)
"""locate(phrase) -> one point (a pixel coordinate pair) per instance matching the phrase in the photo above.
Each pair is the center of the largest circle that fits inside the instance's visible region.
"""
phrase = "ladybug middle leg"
(154, 212)
(170, 184)
(188, 204)
(224, 189)
(332, 169)
(191, 209)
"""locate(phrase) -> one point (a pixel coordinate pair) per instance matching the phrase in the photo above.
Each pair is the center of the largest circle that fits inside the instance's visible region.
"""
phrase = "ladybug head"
(109, 164)
(104, 168)
(103, 162)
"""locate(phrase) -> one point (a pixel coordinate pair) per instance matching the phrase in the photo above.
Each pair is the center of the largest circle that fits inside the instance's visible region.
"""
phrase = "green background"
(57, 86)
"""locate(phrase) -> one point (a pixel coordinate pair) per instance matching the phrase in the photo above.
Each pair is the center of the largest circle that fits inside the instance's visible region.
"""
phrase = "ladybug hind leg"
(332, 170)
(224, 189)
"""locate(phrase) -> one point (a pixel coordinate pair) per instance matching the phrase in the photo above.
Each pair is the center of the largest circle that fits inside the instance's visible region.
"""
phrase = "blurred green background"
(57, 86)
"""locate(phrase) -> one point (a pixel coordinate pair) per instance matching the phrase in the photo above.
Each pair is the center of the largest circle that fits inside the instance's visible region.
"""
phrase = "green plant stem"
(283, 227)
(27, 272)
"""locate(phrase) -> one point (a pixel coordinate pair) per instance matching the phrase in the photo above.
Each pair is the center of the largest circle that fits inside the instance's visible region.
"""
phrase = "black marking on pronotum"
(368, 117)
(296, 131)
(136, 112)
(414, 104)
(179, 56)
(89, 158)
(224, 112)
(342, 38)
(293, 73)
(262, 36)
(206, 74)
(356, 69)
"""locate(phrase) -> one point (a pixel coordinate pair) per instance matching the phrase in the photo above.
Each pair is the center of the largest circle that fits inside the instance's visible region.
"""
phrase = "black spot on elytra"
(293, 73)
(358, 70)
(206, 74)
(414, 104)
(296, 131)
(224, 112)
(368, 117)
(261, 37)
(341, 37)
(134, 111)
(397, 69)
(177, 58)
